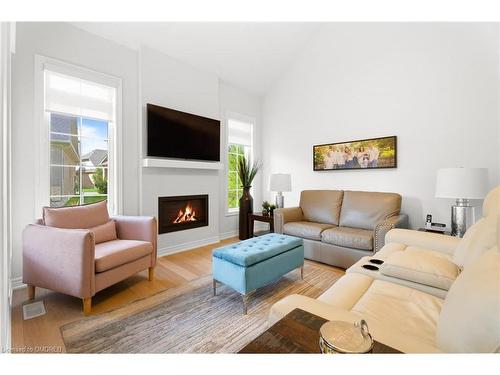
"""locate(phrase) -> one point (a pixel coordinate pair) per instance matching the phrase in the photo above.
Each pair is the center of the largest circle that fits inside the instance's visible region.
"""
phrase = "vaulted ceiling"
(251, 56)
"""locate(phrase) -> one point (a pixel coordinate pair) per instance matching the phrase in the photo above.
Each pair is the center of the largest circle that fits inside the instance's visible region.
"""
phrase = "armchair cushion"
(112, 254)
(104, 232)
(305, 229)
(421, 267)
(361, 209)
(77, 217)
(349, 237)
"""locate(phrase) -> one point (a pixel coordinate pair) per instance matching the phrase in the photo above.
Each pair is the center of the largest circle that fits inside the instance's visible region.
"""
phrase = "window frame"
(242, 118)
(42, 133)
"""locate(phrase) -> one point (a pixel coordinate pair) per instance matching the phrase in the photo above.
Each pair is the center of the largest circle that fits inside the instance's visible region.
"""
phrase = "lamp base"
(462, 217)
(280, 200)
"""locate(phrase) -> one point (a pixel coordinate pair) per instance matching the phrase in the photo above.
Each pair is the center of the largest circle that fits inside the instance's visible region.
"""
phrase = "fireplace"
(182, 212)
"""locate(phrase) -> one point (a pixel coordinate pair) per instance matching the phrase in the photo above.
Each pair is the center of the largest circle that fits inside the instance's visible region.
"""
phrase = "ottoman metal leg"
(214, 284)
(302, 272)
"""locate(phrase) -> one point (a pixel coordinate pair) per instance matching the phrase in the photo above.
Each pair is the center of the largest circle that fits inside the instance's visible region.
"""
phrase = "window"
(239, 143)
(78, 160)
(79, 164)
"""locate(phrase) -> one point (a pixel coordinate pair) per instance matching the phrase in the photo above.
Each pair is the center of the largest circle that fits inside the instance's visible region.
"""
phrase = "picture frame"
(370, 153)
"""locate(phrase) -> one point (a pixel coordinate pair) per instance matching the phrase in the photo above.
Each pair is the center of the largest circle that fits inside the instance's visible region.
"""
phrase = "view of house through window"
(239, 145)
(78, 160)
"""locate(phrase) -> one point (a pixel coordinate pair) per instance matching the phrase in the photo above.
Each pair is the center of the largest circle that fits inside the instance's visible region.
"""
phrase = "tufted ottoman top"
(257, 249)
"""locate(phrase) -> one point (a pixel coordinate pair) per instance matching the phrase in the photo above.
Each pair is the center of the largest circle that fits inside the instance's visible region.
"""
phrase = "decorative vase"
(246, 207)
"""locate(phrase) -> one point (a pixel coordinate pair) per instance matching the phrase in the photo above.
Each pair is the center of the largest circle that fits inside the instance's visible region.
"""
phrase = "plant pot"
(246, 207)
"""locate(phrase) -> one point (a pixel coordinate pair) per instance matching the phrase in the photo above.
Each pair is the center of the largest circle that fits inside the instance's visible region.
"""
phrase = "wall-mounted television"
(181, 135)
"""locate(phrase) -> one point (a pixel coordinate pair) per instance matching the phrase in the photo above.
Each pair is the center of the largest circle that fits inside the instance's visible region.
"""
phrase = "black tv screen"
(176, 134)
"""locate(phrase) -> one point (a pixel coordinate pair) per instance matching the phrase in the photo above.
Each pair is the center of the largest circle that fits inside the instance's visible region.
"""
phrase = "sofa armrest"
(432, 241)
(319, 308)
(62, 260)
(140, 228)
(286, 215)
(381, 229)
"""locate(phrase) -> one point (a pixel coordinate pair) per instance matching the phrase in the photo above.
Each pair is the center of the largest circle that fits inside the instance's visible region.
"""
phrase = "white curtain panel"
(76, 96)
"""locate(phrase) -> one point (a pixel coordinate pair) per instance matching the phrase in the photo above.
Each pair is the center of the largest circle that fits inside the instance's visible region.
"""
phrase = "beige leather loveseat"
(340, 227)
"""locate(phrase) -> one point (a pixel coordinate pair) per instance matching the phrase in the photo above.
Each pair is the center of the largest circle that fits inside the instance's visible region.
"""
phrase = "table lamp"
(279, 183)
(461, 184)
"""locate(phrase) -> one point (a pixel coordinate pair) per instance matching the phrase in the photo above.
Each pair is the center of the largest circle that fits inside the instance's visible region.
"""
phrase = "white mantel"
(179, 163)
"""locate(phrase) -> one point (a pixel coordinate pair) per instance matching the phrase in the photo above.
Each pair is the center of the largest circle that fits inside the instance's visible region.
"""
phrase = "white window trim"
(244, 118)
(42, 128)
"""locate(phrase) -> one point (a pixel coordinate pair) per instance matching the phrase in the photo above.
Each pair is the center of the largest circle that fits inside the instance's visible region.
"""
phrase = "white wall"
(234, 100)
(70, 44)
(170, 83)
(435, 86)
(6, 48)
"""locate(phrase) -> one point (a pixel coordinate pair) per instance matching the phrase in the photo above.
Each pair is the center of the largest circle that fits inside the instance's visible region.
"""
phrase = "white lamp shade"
(468, 183)
(280, 182)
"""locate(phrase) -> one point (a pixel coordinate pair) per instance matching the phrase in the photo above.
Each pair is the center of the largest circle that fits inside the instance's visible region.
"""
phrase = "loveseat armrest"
(381, 229)
(286, 215)
(62, 260)
(139, 228)
(319, 308)
(431, 241)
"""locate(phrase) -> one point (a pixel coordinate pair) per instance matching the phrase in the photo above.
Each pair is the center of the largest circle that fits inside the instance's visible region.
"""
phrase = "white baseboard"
(187, 246)
(226, 235)
(16, 283)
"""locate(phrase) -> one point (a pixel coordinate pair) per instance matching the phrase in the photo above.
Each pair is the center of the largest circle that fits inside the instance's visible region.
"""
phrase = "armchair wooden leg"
(87, 306)
(151, 273)
(31, 292)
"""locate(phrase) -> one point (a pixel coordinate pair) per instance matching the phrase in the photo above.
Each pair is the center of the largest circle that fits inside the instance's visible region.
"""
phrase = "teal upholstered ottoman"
(256, 262)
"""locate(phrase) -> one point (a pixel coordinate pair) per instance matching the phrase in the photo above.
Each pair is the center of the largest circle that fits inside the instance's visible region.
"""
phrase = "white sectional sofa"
(441, 295)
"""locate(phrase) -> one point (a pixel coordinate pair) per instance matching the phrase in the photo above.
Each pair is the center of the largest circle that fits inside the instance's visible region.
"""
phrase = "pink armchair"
(81, 250)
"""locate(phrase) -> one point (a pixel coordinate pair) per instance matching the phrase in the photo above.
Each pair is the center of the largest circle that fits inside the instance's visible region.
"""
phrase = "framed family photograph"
(371, 153)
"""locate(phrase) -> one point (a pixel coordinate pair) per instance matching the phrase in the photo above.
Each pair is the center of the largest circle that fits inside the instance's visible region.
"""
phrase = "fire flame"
(187, 215)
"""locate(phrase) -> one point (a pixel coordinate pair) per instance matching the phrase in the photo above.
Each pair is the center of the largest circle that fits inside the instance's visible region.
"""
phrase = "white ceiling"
(248, 55)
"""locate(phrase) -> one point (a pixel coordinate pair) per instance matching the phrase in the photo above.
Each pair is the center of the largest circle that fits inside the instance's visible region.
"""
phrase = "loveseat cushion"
(77, 217)
(421, 267)
(305, 229)
(321, 206)
(349, 237)
(112, 254)
(470, 318)
(104, 232)
(364, 210)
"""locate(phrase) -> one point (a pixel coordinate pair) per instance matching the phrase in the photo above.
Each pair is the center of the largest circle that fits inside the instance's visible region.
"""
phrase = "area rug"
(189, 319)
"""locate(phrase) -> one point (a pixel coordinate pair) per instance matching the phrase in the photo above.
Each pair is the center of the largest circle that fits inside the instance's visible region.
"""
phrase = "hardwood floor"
(42, 334)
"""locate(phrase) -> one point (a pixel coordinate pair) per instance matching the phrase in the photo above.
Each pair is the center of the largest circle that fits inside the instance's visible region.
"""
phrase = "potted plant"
(246, 174)
(272, 207)
(265, 208)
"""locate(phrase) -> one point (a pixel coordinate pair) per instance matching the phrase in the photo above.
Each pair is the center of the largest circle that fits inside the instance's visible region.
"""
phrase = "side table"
(257, 216)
